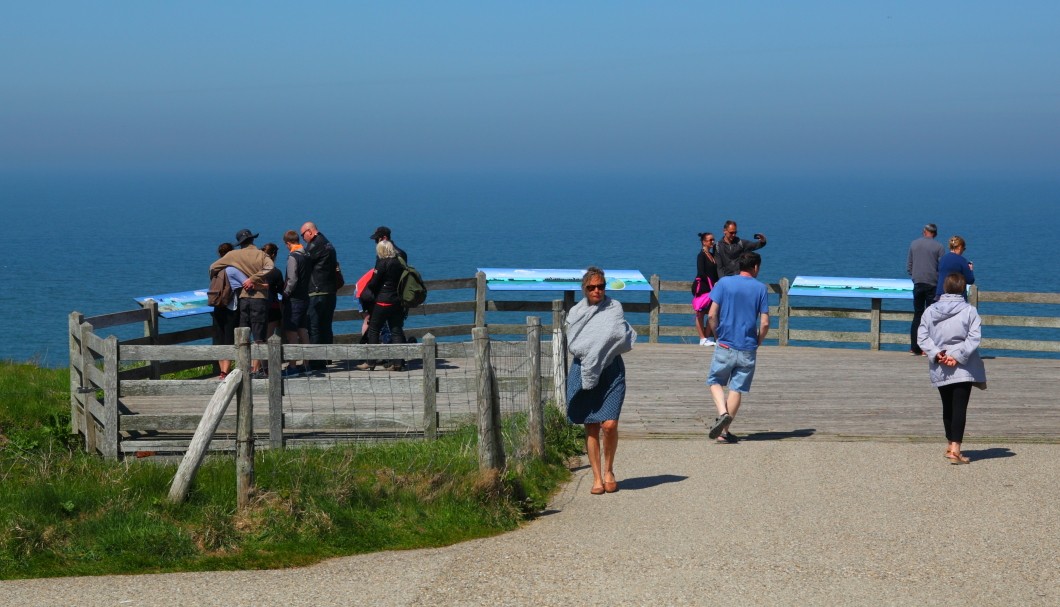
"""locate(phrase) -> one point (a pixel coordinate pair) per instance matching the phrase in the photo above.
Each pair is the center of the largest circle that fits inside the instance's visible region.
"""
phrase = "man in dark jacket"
(323, 271)
(729, 249)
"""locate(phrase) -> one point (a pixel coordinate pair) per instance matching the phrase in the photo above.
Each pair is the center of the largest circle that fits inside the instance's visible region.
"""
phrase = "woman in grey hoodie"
(949, 335)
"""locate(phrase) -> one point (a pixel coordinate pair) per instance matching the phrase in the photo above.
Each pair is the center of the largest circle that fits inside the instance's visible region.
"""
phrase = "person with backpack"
(388, 308)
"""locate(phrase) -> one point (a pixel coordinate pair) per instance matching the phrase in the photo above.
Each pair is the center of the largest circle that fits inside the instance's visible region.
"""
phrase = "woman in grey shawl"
(597, 335)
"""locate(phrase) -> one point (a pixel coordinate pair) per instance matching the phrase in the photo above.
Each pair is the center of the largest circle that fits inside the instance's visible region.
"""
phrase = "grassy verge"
(63, 512)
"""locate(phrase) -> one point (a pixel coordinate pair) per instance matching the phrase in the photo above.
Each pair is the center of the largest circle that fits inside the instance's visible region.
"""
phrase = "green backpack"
(411, 287)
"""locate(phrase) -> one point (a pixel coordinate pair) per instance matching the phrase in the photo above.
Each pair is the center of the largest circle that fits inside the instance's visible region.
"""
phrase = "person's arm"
(923, 339)
(712, 317)
(292, 276)
(969, 273)
(909, 261)
(763, 328)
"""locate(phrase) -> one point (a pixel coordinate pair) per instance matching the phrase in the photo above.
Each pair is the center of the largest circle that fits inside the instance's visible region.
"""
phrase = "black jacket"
(324, 265)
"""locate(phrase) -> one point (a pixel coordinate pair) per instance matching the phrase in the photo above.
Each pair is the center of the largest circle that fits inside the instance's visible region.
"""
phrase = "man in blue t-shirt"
(739, 316)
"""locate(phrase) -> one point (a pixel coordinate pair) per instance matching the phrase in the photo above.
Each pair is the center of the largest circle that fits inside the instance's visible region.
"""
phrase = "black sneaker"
(259, 375)
(293, 371)
(721, 422)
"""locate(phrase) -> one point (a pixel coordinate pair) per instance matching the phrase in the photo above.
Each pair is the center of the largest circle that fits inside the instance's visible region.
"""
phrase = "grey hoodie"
(953, 325)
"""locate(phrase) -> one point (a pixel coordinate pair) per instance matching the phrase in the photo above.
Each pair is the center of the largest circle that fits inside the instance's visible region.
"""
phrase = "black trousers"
(955, 409)
(923, 295)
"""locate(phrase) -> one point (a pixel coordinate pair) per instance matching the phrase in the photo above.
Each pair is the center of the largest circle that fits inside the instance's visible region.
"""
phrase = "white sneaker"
(706, 341)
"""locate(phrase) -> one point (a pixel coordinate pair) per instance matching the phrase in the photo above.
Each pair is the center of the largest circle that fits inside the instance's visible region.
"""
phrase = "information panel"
(839, 286)
(175, 305)
(516, 279)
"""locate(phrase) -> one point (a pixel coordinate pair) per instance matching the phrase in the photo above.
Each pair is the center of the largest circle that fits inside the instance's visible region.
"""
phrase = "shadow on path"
(800, 433)
(992, 453)
(646, 482)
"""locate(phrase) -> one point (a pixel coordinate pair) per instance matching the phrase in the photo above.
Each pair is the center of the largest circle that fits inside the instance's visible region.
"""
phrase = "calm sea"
(92, 243)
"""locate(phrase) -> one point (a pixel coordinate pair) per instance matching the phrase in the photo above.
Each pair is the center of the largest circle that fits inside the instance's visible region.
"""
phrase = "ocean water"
(92, 243)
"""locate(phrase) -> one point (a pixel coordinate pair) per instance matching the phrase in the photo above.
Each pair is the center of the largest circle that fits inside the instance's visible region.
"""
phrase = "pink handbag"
(701, 303)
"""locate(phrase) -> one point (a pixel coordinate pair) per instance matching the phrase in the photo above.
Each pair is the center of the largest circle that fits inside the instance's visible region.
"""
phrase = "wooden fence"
(101, 374)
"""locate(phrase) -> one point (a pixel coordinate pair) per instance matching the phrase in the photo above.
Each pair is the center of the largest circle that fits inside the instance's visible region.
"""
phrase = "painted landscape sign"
(517, 279)
(840, 286)
(175, 305)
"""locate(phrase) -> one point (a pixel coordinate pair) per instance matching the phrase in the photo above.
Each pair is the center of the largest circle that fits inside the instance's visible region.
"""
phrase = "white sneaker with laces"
(706, 341)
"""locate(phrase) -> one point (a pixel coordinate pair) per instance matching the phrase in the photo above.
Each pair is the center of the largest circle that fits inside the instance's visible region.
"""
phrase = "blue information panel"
(839, 286)
(174, 305)
(516, 279)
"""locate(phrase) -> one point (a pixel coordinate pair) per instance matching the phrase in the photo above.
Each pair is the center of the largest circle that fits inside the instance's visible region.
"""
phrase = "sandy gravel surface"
(790, 522)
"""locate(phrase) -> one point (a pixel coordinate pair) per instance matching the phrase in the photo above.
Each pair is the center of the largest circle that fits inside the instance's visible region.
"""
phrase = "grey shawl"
(596, 335)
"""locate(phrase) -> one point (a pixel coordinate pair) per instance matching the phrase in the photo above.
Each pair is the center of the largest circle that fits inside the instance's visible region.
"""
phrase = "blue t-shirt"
(742, 301)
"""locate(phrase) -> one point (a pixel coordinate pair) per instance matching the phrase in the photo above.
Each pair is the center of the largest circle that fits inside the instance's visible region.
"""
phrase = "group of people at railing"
(302, 302)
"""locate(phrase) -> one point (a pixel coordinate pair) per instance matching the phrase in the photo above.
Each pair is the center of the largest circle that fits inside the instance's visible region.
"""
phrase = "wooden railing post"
(91, 436)
(559, 357)
(110, 398)
(784, 313)
(874, 324)
(973, 295)
(211, 418)
(151, 332)
(490, 447)
(480, 299)
(536, 422)
(275, 345)
(77, 415)
(430, 387)
(244, 422)
(653, 310)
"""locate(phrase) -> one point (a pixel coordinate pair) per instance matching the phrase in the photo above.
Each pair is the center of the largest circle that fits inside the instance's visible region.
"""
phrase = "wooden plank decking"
(836, 393)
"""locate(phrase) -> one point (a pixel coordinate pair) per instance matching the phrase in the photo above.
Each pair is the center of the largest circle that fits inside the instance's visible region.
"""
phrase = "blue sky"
(959, 87)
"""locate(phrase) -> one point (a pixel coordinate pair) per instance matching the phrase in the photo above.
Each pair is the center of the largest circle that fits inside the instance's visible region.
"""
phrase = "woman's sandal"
(597, 491)
(611, 487)
(955, 457)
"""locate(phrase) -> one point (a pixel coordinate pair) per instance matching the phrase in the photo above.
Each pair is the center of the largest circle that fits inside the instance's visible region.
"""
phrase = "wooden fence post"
(211, 418)
(559, 357)
(480, 299)
(151, 331)
(653, 310)
(275, 345)
(874, 323)
(110, 398)
(430, 387)
(244, 422)
(784, 313)
(490, 448)
(973, 295)
(91, 436)
(536, 422)
(77, 414)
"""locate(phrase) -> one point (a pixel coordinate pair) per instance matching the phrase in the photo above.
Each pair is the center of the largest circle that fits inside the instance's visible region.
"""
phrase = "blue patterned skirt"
(602, 403)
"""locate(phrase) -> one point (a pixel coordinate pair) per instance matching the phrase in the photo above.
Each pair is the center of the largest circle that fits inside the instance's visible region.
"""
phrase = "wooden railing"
(100, 372)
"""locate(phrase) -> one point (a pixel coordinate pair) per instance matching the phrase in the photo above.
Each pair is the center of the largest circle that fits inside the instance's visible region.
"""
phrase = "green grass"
(63, 512)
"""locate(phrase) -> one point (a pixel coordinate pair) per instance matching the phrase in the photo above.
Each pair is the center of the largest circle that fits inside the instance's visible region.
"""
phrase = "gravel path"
(788, 522)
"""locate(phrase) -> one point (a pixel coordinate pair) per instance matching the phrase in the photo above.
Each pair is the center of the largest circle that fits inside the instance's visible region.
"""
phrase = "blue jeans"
(732, 367)
(321, 313)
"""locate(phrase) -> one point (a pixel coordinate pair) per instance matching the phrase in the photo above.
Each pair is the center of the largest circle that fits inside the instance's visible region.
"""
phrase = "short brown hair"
(954, 284)
(290, 236)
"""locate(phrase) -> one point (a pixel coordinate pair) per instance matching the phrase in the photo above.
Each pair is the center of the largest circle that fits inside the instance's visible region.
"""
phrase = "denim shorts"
(732, 367)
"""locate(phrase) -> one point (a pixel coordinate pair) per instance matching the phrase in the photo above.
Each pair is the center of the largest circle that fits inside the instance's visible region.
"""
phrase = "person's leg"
(946, 394)
(699, 325)
(922, 295)
(592, 449)
(396, 320)
(610, 429)
(962, 393)
(313, 316)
